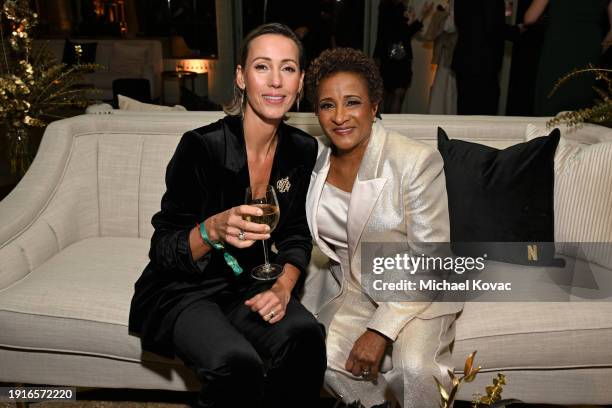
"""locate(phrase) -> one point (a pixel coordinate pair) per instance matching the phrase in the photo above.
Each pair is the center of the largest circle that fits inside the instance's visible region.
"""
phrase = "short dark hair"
(236, 105)
(335, 60)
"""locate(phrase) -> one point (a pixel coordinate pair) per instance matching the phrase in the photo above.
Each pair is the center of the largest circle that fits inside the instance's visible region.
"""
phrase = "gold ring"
(271, 314)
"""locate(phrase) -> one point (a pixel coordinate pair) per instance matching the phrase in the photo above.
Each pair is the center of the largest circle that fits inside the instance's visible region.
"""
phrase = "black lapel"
(284, 158)
(284, 174)
(235, 148)
(237, 171)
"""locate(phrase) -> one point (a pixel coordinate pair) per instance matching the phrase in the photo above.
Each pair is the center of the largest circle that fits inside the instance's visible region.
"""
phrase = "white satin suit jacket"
(399, 196)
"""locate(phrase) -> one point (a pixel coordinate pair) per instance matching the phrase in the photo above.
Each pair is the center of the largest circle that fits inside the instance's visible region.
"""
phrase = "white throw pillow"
(130, 104)
(99, 109)
(583, 193)
(128, 59)
(567, 149)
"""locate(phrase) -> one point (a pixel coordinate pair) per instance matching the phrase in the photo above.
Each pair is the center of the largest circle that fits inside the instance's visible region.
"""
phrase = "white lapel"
(367, 188)
(363, 199)
(317, 182)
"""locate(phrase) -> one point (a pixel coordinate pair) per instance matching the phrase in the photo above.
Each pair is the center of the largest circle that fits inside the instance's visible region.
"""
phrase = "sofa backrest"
(104, 174)
(152, 65)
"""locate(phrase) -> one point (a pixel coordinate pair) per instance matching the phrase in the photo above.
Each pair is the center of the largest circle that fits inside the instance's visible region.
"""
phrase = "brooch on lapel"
(283, 185)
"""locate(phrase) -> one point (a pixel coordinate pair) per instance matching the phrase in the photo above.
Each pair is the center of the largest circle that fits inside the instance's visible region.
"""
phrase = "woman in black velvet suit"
(251, 343)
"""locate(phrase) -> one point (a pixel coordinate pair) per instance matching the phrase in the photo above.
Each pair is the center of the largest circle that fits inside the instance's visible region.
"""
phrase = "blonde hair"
(236, 106)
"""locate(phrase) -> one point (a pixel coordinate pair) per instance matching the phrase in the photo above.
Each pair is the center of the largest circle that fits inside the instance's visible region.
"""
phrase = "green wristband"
(229, 259)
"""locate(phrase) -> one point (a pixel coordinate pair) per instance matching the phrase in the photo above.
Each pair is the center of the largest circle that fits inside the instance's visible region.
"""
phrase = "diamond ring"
(365, 373)
(241, 235)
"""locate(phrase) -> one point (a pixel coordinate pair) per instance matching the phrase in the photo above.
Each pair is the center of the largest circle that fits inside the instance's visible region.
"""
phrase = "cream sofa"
(74, 237)
(141, 59)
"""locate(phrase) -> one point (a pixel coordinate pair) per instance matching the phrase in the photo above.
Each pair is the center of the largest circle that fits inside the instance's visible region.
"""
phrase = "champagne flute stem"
(265, 247)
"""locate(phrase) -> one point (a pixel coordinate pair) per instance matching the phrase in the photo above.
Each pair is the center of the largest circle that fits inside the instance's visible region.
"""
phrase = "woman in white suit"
(372, 185)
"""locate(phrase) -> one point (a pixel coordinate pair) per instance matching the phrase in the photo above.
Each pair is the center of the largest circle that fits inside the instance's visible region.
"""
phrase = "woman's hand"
(226, 227)
(272, 303)
(367, 354)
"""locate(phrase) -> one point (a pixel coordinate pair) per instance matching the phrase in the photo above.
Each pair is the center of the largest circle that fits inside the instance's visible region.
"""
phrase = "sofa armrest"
(22, 240)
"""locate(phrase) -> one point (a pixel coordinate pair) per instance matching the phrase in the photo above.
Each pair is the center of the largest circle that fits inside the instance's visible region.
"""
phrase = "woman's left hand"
(272, 303)
(367, 354)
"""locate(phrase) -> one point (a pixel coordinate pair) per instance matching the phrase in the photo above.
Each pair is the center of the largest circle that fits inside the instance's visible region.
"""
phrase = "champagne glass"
(263, 196)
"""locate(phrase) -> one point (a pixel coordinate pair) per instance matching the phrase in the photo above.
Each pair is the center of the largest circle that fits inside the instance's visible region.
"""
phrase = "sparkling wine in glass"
(264, 197)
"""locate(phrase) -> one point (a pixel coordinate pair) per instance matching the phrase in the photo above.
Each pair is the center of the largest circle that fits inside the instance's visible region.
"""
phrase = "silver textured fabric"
(399, 196)
(421, 350)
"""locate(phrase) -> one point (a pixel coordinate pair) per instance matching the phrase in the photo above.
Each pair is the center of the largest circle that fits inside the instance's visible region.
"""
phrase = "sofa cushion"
(80, 300)
(128, 59)
(583, 194)
(566, 150)
(499, 196)
(127, 103)
(104, 53)
(524, 335)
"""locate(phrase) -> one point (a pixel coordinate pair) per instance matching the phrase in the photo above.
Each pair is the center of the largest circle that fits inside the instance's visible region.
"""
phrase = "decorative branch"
(600, 112)
(491, 400)
(35, 84)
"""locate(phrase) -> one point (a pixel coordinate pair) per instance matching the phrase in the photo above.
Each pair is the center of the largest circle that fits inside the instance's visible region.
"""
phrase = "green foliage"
(34, 86)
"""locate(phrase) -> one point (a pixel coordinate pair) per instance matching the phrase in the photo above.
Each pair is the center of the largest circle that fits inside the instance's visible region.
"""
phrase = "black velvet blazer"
(209, 174)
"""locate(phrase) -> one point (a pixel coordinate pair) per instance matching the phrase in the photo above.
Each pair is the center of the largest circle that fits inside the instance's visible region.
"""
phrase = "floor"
(105, 398)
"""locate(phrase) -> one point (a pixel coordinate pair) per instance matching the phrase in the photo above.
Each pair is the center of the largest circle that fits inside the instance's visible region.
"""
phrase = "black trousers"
(477, 94)
(243, 361)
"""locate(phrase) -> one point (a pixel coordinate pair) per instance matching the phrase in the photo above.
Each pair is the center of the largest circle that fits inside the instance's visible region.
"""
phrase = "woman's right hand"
(226, 226)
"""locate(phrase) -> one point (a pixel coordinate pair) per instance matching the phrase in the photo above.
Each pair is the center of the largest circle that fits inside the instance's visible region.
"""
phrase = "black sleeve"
(181, 208)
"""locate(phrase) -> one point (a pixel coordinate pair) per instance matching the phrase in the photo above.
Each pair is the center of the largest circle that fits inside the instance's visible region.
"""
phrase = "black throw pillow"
(87, 57)
(501, 196)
